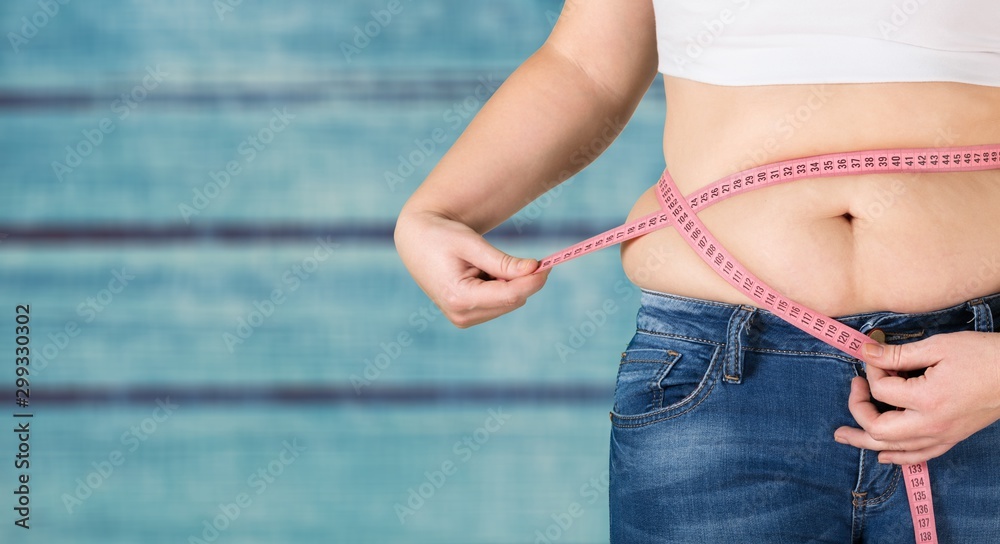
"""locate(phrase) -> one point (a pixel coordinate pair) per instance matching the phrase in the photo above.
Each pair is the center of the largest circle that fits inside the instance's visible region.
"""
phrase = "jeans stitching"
(679, 336)
(618, 420)
(687, 300)
(887, 494)
(656, 386)
(654, 361)
(637, 425)
(803, 353)
(732, 350)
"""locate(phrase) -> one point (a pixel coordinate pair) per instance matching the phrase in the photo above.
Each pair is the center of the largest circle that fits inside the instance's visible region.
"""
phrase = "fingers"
(473, 300)
(894, 425)
(890, 452)
(897, 433)
(468, 279)
(494, 262)
(470, 299)
(899, 357)
(941, 407)
(891, 389)
(913, 457)
(859, 403)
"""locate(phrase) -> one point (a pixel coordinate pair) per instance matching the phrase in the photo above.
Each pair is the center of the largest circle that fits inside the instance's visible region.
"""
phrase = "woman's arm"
(591, 73)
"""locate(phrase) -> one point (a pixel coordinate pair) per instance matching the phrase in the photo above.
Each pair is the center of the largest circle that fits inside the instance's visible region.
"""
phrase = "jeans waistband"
(709, 321)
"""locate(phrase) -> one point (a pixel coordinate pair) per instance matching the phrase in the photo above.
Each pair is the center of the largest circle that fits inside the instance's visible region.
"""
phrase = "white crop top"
(767, 42)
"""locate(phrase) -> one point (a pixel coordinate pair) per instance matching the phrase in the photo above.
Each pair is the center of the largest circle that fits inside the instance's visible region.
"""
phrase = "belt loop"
(732, 370)
(982, 315)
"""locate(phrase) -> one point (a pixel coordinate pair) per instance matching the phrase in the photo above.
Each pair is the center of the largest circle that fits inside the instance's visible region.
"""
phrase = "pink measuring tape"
(679, 211)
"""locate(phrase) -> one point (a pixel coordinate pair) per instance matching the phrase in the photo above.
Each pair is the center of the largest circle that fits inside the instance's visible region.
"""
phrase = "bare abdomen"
(907, 243)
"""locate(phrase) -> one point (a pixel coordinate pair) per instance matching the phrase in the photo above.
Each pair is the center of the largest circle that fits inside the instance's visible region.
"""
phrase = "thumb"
(898, 357)
(497, 263)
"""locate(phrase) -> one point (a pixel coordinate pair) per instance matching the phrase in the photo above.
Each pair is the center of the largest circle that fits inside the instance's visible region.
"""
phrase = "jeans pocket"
(661, 377)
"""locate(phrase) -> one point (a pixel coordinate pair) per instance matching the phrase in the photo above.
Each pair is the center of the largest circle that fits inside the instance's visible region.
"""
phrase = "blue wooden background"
(344, 409)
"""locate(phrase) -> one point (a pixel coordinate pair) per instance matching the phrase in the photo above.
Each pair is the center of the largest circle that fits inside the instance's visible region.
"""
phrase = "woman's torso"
(906, 242)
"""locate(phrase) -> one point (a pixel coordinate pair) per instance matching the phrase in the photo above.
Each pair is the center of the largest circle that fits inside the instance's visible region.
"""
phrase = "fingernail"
(840, 438)
(873, 349)
(523, 266)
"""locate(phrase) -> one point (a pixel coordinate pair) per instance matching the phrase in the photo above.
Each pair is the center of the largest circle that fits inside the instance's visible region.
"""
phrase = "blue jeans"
(722, 431)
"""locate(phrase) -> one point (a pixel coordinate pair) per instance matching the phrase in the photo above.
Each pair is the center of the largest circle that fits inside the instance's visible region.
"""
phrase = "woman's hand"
(470, 281)
(958, 394)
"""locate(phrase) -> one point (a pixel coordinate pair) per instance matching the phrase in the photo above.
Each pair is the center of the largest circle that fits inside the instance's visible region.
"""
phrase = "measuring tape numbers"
(679, 211)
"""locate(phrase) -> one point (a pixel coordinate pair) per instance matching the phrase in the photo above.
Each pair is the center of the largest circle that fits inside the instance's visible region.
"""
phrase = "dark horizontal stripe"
(351, 88)
(325, 395)
(371, 232)
(348, 87)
